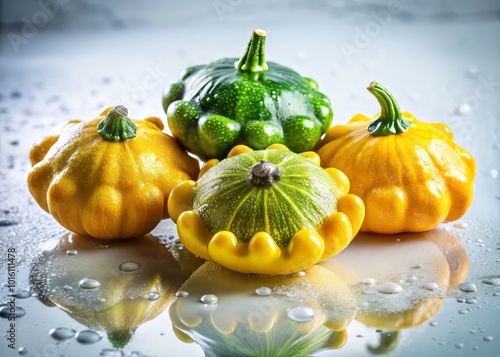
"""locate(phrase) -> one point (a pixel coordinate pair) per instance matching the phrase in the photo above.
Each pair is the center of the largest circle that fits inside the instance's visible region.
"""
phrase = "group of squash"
(275, 194)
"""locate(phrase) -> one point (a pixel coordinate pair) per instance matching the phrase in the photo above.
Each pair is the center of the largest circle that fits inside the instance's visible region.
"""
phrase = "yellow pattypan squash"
(268, 211)
(110, 177)
(410, 175)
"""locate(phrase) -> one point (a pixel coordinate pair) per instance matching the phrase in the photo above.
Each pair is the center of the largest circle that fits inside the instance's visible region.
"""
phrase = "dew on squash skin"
(263, 291)
(130, 266)
(431, 286)
(209, 299)
(411, 279)
(88, 337)
(301, 314)
(89, 283)
(389, 287)
(153, 296)
(62, 333)
(181, 294)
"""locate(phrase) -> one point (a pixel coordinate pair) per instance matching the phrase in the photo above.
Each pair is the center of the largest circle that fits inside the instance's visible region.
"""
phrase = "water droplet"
(494, 173)
(459, 345)
(460, 300)
(433, 323)
(494, 281)
(182, 294)
(472, 331)
(68, 288)
(22, 350)
(89, 283)
(301, 273)
(471, 301)
(130, 266)
(211, 307)
(417, 267)
(461, 225)
(301, 314)
(496, 294)
(389, 287)
(8, 311)
(62, 333)
(72, 252)
(21, 294)
(152, 296)
(209, 299)
(431, 286)
(463, 311)
(411, 279)
(102, 246)
(263, 291)
(88, 337)
(468, 287)
(108, 352)
(488, 338)
(368, 281)
(180, 246)
(442, 343)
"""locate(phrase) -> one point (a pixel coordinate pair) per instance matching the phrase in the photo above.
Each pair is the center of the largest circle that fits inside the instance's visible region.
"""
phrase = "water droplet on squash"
(153, 296)
(301, 314)
(89, 283)
(368, 281)
(88, 337)
(182, 294)
(62, 333)
(431, 286)
(411, 279)
(389, 287)
(263, 291)
(209, 299)
(468, 287)
(130, 266)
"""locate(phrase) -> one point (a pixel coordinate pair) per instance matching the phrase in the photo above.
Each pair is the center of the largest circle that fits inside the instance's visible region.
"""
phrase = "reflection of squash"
(438, 254)
(119, 305)
(243, 323)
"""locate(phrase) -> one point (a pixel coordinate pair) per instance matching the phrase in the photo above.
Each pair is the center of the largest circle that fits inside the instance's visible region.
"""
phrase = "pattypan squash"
(245, 101)
(410, 175)
(268, 211)
(110, 177)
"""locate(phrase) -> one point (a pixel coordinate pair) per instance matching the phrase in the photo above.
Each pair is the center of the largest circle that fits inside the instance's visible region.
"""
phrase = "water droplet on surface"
(433, 323)
(21, 294)
(68, 288)
(472, 331)
(463, 311)
(496, 294)
(417, 267)
(468, 287)
(130, 266)
(152, 296)
(89, 283)
(182, 294)
(442, 343)
(389, 287)
(62, 333)
(460, 300)
(22, 351)
(431, 286)
(301, 314)
(459, 345)
(263, 291)
(488, 338)
(108, 352)
(88, 337)
(7, 311)
(461, 225)
(209, 299)
(72, 252)
(301, 273)
(411, 279)
(368, 281)
(471, 301)
(102, 246)
(494, 173)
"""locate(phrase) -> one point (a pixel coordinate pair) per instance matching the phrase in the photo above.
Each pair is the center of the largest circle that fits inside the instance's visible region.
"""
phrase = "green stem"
(116, 126)
(390, 120)
(254, 58)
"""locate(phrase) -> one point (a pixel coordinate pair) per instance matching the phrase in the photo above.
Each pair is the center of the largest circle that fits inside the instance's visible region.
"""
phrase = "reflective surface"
(395, 295)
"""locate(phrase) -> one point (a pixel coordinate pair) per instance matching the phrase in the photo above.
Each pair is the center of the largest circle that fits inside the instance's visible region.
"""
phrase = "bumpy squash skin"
(409, 182)
(262, 253)
(108, 189)
(217, 106)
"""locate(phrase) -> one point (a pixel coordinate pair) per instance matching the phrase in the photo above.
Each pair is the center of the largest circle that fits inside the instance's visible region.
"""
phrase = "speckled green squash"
(247, 101)
(273, 191)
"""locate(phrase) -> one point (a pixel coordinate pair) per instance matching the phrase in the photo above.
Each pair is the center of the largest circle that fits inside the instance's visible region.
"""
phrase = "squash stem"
(264, 173)
(254, 58)
(390, 120)
(116, 126)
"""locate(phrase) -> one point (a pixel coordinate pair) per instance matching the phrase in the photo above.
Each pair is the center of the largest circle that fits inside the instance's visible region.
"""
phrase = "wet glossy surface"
(434, 293)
